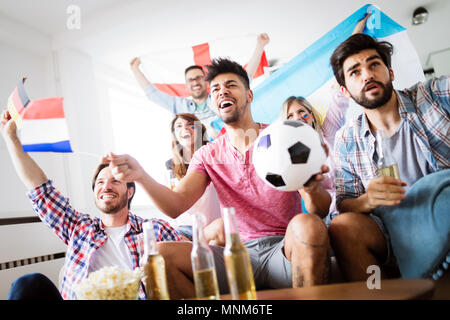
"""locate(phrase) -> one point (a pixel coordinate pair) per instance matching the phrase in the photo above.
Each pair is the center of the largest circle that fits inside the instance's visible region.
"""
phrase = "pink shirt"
(260, 209)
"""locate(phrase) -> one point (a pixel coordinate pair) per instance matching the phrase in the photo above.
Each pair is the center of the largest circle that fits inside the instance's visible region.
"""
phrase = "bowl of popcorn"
(110, 283)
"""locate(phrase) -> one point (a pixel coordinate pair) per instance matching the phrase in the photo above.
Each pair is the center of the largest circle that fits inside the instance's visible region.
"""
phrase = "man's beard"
(377, 101)
(202, 94)
(113, 207)
(231, 118)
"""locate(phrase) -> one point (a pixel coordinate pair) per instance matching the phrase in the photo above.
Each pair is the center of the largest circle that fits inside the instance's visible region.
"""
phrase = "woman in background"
(298, 108)
(188, 135)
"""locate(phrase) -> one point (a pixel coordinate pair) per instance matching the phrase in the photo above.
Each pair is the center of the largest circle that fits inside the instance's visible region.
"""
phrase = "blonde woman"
(300, 109)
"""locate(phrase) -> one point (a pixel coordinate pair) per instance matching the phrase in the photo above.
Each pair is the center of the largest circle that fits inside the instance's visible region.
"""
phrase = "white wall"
(70, 74)
(25, 52)
(441, 62)
(66, 72)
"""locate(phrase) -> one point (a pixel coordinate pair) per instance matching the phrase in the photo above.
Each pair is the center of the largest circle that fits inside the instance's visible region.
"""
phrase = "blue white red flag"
(41, 122)
(309, 74)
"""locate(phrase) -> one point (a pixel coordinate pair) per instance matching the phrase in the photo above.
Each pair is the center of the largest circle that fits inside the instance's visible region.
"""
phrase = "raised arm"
(138, 74)
(172, 203)
(361, 24)
(335, 117)
(27, 169)
(261, 41)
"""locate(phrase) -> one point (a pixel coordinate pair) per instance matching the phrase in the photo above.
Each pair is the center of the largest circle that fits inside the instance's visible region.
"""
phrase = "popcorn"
(110, 283)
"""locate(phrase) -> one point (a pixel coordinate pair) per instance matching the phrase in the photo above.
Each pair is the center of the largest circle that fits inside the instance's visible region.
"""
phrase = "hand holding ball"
(287, 154)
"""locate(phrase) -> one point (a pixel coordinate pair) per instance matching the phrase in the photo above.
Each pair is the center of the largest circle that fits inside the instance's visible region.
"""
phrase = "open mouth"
(186, 136)
(107, 196)
(372, 87)
(224, 104)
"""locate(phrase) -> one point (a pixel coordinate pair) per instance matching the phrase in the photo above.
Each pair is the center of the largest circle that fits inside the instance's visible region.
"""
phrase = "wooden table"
(393, 289)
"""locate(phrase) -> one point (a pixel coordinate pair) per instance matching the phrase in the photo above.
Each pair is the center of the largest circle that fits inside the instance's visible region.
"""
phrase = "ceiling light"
(420, 16)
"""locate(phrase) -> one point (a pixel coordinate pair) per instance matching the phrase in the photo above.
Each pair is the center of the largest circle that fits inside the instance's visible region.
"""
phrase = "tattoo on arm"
(298, 280)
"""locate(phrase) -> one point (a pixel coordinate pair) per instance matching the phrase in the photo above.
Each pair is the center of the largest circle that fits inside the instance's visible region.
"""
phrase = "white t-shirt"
(114, 251)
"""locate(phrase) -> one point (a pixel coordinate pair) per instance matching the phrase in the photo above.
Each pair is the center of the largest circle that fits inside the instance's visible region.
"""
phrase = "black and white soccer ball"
(287, 154)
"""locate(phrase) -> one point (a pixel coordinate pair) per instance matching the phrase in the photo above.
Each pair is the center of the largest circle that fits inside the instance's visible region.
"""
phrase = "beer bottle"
(237, 261)
(155, 279)
(203, 267)
(387, 166)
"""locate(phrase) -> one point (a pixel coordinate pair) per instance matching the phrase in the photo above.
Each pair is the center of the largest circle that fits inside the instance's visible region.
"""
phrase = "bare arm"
(317, 199)
(138, 74)
(172, 203)
(381, 191)
(27, 169)
(252, 65)
(361, 24)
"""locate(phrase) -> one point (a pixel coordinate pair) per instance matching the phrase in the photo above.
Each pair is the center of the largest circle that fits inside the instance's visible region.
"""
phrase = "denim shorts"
(390, 259)
(271, 269)
(419, 226)
(185, 231)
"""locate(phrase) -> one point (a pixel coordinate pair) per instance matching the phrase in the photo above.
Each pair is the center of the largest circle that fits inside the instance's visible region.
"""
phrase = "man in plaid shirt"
(409, 215)
(116, 238)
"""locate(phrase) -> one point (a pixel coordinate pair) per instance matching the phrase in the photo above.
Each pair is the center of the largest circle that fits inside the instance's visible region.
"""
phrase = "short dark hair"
(191, 68)
(355, 44)
(102, 166)
(223, 65)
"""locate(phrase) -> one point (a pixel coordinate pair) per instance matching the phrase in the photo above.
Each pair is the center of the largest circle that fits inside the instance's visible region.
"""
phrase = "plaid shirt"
(84, 234)
(425, 107)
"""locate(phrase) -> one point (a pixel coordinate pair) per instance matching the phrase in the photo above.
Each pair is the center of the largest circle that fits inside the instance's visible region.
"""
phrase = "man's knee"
(30, 279)
(308, 227)
(343, 225)
(350, 225)
(356, 229)
(33, 286)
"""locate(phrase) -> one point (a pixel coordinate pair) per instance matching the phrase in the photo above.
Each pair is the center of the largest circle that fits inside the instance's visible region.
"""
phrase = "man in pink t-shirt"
(286, 248)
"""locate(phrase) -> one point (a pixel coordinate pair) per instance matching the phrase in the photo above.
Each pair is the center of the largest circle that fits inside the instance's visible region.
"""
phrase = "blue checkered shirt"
(425, 107)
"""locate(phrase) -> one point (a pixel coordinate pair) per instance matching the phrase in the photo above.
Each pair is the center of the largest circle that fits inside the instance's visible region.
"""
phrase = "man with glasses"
(196, 85)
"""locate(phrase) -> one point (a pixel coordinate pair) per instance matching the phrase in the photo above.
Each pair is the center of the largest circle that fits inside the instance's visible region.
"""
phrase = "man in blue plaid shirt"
(402, 223)
(114, 239)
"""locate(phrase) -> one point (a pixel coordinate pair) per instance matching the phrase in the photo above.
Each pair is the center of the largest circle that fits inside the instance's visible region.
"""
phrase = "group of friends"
(351, 210)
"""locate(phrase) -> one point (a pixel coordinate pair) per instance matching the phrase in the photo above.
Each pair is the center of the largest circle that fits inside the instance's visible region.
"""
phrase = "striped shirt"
(425, 107)
(84, 234)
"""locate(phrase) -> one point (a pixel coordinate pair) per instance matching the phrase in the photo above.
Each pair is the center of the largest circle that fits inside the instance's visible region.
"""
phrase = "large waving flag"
(41, 122)
(166, 69)
(309, 74)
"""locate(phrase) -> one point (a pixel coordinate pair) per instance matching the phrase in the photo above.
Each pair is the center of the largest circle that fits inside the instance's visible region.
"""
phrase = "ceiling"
(114, 31)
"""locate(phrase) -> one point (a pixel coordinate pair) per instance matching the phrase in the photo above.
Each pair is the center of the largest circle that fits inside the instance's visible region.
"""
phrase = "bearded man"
(114, 239)
(398, 224)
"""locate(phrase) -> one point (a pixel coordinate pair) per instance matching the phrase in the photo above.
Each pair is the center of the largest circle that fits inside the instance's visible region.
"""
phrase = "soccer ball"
(287, 154)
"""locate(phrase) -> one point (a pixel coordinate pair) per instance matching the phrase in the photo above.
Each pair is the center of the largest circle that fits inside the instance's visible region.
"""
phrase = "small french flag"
(43, 124)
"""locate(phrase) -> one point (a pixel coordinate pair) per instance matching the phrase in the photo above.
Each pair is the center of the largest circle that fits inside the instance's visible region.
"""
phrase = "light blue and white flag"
(310, 75)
